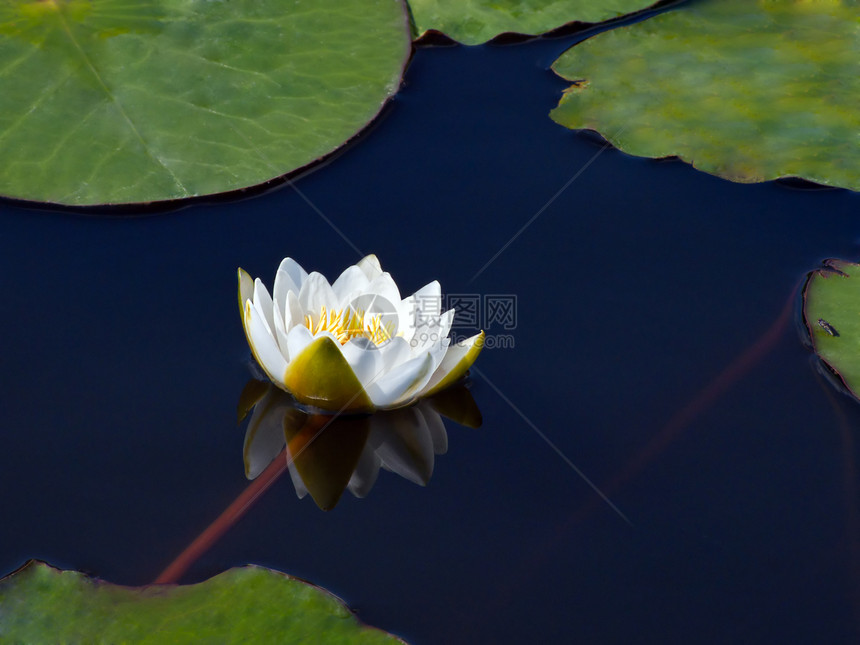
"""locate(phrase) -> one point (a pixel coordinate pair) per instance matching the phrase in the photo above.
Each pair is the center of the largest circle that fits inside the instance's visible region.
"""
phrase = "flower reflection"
(329, 454)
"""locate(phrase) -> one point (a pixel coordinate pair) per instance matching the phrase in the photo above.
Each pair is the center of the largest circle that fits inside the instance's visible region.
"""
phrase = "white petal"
(315, 294)
(436, 346)
(369, 264)
(432, 333)
(376, 307)
(263, 303)
(293, 312)
(283, 285)
(384, 285)
(401, 384)
(326, 332)
(455, 353)
(407, 317)
(445, 321)
(294, 274)
(364, 358)
(394, 352)
(428, 299)
(438, 352)
(348, 285)
(264, 346)
(298, 338)
(420, 308)
(281, 331)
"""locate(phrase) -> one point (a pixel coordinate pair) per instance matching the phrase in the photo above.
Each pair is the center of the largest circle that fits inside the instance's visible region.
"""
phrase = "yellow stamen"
(345, 324)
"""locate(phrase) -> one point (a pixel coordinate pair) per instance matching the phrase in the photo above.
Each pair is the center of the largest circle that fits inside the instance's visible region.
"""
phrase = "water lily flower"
(353, 345)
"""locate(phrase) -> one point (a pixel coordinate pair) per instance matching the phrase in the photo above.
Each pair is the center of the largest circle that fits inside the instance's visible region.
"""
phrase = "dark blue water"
(123, 359)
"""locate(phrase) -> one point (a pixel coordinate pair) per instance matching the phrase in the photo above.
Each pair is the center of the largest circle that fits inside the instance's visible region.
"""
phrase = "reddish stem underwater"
(225, 521)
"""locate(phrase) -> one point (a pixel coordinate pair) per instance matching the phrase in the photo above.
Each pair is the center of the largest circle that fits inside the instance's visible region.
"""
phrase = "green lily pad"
(831, 311)
(476, 21)
(105, 101)
(749, 90)
(40, 604)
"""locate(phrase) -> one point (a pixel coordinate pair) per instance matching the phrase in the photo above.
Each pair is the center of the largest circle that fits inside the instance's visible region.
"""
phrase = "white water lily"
(355, 344)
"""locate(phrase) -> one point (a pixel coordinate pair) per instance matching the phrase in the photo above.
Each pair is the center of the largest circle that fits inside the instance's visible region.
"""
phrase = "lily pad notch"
(473, 22)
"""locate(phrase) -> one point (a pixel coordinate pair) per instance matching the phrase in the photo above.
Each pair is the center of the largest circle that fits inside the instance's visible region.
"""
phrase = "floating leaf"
(831, 311)
(747, 90)
(105, 101)
(475, 21)
(40, 604)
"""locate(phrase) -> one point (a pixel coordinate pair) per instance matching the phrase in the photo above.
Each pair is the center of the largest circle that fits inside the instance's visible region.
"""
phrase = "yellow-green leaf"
(40, 604)
(321, 377)
(831, 311)
(475, 21)
(749, 90)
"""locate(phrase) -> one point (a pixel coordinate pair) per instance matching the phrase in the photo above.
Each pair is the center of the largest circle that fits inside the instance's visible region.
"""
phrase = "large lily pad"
(831, 311)
(476, 21)
(749, 90)
(105, 101)
(40, 604)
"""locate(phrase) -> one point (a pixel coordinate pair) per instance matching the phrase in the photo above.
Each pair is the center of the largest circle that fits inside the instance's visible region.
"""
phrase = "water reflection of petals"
(264, 438)
(328, 454)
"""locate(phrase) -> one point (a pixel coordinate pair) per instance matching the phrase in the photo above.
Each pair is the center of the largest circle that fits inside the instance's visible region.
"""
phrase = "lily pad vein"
(118, 105)
(70, 132)
(17, 62)
(44, 94)
(250, 72)
(254, 147)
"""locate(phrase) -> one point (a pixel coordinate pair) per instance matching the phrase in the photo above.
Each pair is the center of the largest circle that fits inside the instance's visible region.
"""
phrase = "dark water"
(123, 359)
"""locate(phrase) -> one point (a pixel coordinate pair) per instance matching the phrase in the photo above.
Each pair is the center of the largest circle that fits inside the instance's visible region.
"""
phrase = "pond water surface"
(636, 286)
